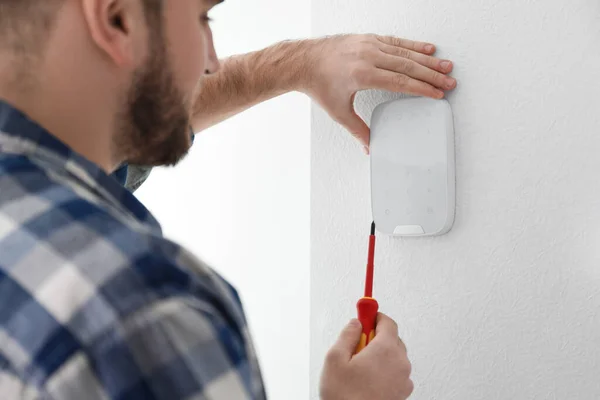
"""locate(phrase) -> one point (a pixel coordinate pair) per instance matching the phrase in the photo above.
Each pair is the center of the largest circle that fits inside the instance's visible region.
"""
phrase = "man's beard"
(155, 127)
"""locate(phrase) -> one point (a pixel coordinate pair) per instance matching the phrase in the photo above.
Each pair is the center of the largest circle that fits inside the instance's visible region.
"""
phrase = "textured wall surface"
(506, 306)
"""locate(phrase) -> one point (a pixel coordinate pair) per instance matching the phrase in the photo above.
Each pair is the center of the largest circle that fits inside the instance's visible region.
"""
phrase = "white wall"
(507, 305)
(240, 200)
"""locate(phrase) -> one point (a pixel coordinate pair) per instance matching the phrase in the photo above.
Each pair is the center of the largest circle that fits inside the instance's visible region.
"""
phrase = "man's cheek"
(192, 73)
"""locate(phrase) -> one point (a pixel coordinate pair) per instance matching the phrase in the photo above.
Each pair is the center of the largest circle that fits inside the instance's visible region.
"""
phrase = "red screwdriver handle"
(367, 315)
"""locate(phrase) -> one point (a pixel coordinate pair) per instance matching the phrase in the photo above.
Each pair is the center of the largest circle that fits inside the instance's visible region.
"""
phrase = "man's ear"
(115, 26)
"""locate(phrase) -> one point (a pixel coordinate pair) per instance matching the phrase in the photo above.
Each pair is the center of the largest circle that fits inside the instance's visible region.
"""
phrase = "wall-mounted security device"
(412, 167)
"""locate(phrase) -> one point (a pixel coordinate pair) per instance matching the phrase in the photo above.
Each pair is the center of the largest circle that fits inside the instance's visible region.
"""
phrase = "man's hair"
(26, 24)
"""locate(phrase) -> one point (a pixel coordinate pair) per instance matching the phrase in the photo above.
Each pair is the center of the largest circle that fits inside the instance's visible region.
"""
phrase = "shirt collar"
(20, 135)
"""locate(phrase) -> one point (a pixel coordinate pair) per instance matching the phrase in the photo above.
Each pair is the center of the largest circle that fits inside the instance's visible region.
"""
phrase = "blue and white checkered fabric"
(94, 302)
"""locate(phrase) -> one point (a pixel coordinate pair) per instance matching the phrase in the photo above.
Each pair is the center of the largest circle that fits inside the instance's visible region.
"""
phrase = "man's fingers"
(409, 388)
(401, 83)
(356, 126)
(415, 70)
(386, 327)
(386, 333)
(421, 47)
(402, 345)
(443, 66)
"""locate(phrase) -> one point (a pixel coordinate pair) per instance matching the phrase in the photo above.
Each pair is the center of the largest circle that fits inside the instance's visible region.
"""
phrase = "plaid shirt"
(94, 302)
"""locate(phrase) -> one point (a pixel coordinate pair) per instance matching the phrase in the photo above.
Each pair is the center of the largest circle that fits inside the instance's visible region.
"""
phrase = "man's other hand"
(340, 66)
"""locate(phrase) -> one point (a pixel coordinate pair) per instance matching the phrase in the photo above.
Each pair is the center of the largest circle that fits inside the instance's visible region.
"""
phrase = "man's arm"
(249, 79)
(242, 82)
(331, 70)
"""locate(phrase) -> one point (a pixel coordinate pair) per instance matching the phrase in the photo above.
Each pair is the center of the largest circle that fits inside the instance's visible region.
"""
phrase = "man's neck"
(68, 115)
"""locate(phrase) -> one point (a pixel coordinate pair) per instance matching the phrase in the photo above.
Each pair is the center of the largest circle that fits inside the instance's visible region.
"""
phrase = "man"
(94, 302)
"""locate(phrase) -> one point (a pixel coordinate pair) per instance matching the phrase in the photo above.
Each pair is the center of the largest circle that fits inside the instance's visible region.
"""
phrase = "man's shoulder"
(62, 250)
(48, 221)
(45, 219)
(53, 233)
(70, 270)
(85, 293)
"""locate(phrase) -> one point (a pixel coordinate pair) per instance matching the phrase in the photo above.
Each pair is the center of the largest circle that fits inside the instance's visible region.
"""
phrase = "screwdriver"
(367, 306)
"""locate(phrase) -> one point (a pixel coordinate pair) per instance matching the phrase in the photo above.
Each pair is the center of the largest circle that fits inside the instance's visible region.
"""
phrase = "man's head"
(144, 60)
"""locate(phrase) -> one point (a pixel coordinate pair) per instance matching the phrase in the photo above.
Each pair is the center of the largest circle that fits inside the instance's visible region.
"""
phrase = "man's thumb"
(356, 126)
(348, 340)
